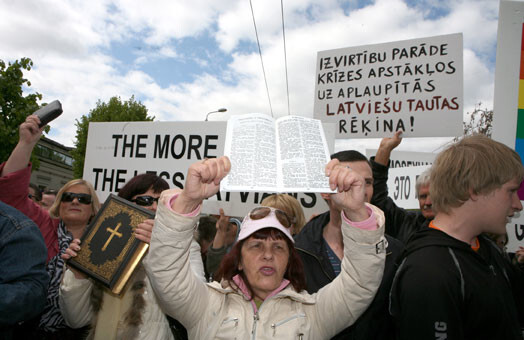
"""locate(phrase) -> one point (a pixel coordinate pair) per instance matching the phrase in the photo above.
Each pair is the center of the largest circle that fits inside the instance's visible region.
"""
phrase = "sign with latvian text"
(374, 90)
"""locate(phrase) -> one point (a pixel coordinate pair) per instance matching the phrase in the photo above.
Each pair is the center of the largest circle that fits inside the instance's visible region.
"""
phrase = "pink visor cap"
(249, 226)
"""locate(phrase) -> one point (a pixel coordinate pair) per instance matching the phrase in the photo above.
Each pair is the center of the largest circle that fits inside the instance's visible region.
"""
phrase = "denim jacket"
(23, 277)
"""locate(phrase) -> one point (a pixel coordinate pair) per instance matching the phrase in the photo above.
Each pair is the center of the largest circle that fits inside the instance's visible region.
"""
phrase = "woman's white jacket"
(210, 311)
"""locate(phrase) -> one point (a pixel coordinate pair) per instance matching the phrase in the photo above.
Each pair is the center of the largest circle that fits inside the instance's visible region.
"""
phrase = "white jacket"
(77, 309)
(209, 311)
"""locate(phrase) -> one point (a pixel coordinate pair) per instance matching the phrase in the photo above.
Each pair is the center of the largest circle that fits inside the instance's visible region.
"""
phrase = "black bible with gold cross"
(109, 250)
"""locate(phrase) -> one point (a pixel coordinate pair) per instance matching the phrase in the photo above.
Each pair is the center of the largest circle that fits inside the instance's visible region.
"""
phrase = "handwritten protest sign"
(372, 91)
(117, 151)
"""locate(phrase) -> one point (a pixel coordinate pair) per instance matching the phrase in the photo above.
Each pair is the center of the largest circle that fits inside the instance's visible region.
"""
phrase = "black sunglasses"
(145, 201)
(82, 198)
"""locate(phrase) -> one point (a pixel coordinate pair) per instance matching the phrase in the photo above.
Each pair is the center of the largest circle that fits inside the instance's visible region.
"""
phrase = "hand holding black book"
(110, 252)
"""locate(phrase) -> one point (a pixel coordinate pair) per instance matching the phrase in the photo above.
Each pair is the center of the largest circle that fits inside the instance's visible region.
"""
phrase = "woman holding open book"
(262, 289)
(75, 205)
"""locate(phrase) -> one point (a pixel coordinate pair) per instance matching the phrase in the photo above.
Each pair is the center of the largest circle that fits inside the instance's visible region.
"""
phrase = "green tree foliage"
(14, 106)
(113, 111)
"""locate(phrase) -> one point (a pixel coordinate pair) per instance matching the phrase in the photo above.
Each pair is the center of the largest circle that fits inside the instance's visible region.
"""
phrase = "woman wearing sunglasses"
(262, 289)
(75, 205)
(135, 314)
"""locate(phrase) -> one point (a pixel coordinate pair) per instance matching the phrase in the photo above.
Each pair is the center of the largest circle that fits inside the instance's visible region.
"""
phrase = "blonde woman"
(75, 205)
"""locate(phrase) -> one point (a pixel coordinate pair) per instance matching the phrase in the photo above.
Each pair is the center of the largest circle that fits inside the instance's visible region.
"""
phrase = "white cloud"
(69, 40)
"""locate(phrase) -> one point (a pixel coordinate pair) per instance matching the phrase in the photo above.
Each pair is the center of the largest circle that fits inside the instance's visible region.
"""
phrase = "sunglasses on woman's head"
(261, 212)
(145, 201)
(82, 198)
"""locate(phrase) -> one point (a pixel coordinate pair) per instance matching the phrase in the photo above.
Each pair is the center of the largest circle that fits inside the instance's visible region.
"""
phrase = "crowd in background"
(364, 269)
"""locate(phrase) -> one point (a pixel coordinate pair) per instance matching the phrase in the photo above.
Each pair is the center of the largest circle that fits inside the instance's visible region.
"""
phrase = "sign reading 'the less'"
(372, 91)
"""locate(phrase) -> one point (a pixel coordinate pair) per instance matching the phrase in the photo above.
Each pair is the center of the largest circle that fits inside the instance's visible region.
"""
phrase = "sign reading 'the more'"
(372, 91)
(118, 151)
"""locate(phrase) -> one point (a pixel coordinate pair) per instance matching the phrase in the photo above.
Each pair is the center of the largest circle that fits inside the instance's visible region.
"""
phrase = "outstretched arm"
(218, 248)
(222, 227)
(351, 190)
(15, 175)
(203, 181)
(29, 135)
(348, 296)
(181, 294)
(386, 146)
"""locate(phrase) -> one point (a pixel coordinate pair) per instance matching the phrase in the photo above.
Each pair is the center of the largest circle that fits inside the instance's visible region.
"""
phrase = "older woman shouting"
(261, 294)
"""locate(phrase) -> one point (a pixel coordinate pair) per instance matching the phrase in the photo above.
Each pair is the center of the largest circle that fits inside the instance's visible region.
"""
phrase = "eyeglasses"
(261, 212)
(145, 201)
(82, 198)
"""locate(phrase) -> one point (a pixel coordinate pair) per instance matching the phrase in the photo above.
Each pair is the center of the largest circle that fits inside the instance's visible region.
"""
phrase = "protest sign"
(401, 186)
(117, 151)
(508, 117)
(515, 229)
(402, 159)
(372, 91)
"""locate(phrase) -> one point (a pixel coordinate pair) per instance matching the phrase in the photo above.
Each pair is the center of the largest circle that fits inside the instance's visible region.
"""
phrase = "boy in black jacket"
(454, 283)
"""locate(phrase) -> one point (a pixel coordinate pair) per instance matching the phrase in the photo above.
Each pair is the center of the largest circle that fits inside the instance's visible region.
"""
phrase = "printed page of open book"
(284, 155)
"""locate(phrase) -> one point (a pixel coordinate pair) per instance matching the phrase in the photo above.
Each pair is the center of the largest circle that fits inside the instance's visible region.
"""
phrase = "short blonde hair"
(475, 164)
(95, 203)
(290, 206)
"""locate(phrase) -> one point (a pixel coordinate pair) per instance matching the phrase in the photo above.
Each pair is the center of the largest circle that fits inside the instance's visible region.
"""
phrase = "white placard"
(401, 186)
(117, 151)
(515, 231)
(507, 72)
(374, 90)
(402, 159)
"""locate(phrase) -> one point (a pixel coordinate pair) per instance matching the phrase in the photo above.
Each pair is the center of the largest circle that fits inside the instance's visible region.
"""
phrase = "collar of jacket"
(226, 287)
(310, 237)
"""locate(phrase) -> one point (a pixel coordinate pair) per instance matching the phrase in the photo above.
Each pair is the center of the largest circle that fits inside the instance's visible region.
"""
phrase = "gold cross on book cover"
(110, 252)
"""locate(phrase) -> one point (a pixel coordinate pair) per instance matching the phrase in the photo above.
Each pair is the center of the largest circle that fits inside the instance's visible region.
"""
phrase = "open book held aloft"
(288, 154)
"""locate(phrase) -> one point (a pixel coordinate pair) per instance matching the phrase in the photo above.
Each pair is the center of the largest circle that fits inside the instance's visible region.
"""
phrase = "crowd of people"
(364, 269)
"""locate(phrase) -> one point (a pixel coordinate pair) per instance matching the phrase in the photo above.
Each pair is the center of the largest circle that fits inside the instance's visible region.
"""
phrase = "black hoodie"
(445, 290)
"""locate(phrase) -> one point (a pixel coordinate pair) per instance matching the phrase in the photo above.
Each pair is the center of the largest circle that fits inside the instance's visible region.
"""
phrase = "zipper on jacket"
(296, 316)
(254, 329)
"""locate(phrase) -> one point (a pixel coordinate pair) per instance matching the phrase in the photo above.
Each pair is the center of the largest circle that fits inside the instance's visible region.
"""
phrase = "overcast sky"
(183, 59)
